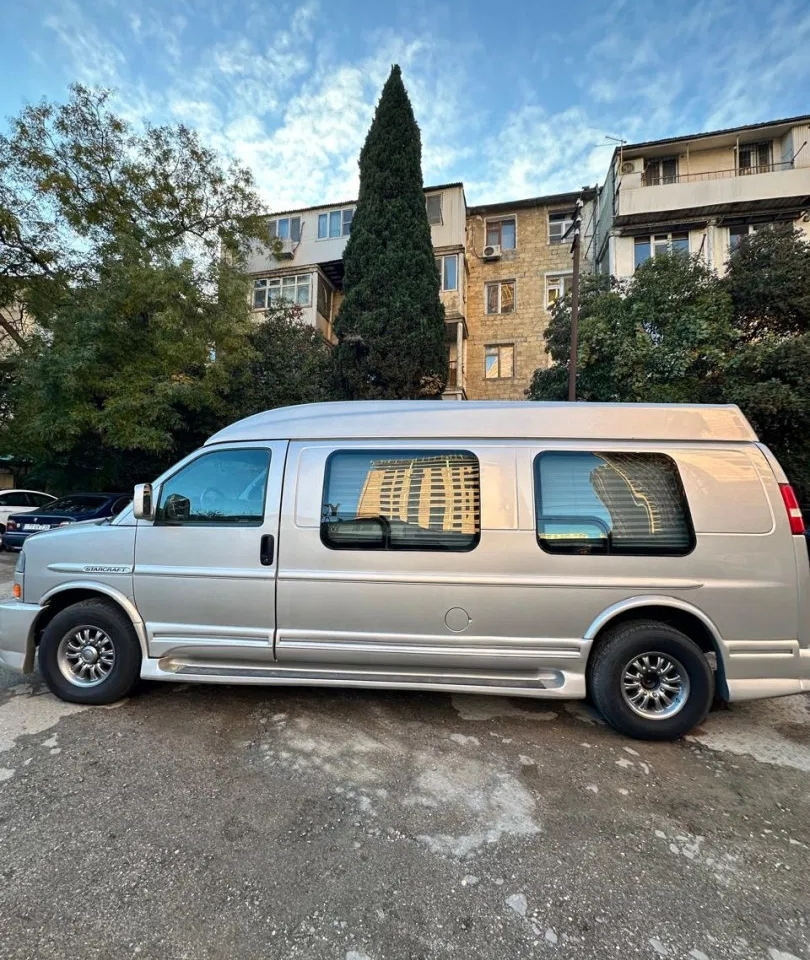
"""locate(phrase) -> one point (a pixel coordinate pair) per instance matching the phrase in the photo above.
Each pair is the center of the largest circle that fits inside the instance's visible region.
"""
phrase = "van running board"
(537, 683)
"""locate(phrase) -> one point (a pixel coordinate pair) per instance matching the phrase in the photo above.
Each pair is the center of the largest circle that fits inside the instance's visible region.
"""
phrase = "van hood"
(89, 552)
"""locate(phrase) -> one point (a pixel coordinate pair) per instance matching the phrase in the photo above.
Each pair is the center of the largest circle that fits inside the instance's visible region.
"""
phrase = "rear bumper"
(755, 671)
(14, 541)
(17, 634)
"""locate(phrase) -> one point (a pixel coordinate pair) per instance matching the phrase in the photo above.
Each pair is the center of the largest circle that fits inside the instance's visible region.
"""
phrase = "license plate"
(36, 526)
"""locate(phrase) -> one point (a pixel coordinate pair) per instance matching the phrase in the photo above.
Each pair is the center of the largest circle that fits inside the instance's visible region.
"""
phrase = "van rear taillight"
(792, 507)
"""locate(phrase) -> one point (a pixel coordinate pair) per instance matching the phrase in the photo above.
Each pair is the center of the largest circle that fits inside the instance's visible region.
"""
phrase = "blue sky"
(515, 99)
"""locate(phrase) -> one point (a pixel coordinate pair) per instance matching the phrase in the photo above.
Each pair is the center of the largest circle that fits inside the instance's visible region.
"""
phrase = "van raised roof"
(444, 419)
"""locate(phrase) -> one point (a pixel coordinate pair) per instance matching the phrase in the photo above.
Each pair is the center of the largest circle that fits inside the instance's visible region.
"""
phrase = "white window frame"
(560, 280)
(500, 220)
(440, 261)
(433, 196)
(499, 285)
(496, 348)
(273, 227)
(660, 179)
(272, 286)
(752, 148)
(345, 229)
(554, 217)
(752, 228)
(653, 241)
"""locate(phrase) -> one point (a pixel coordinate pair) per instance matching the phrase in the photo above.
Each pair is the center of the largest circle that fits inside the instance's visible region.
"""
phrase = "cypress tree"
(390, 326)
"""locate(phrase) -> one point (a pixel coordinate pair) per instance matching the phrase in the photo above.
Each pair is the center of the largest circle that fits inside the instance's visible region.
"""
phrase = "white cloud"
(289, 89)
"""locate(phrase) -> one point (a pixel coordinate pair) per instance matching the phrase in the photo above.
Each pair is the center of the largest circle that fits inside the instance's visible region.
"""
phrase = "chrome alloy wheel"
(86, 656)
(655, 686)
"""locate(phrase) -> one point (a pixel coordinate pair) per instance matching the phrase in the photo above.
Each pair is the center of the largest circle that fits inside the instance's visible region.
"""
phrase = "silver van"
(650, 557)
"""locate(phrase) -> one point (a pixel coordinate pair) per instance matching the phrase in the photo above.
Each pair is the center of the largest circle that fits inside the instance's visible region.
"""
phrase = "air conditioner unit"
(492, 252)
(636, 165)
(285, 249)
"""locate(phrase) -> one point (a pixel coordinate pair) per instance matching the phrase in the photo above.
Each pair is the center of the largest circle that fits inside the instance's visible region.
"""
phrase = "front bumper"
(17, 621)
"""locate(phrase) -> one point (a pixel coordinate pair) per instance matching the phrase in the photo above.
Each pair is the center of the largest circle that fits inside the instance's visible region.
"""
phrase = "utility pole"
(574, 230)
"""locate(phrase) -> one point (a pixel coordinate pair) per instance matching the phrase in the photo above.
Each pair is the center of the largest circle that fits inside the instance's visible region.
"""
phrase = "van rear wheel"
(650, 681)
(89, 653)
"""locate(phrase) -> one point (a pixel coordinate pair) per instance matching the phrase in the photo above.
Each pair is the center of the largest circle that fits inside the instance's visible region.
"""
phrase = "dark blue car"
(71, 509)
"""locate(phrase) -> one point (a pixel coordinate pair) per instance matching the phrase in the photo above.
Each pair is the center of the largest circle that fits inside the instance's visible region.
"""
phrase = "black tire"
(618, 649)
(110, 620)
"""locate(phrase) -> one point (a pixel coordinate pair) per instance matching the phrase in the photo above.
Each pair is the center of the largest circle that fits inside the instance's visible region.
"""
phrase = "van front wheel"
(650, 681)
(89, 653)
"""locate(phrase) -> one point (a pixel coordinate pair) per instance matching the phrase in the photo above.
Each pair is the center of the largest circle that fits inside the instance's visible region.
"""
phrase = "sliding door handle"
(267, 550)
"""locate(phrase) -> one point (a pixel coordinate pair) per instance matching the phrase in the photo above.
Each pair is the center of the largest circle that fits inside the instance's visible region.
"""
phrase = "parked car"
(58, 513)
(651, 556)
(15, 501)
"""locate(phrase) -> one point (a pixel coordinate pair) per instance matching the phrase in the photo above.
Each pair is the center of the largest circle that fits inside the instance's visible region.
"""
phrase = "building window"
(434, 207)
(646, 247)
(756, 157)
(557, 288)
(336, 223)
(660, 170)
(324, 298)
(448, 271)
(295, 289)
(611, 503)
(558, 225)
(502, 233)
(401, 500)
(737, 233)
(499, 361)
(500, 296)
(286, 228)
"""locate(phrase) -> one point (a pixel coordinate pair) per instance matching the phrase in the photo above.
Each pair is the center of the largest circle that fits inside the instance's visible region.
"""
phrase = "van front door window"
(223, 487)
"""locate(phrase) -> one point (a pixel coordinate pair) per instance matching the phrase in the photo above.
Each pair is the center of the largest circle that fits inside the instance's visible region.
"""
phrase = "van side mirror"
(142, 503)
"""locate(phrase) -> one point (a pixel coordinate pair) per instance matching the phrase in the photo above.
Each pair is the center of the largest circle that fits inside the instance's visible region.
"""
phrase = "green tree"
(661, 337)
(768, 372)
(287, 363)
(390, 327)
(126, 250)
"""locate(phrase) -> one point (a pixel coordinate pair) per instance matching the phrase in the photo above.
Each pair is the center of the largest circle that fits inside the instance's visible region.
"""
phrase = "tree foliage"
(390, 326)
(676, 332)
(125, 251)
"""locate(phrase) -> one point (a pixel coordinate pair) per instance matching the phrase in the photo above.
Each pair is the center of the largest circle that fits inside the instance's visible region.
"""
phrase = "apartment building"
(519, 264)
(702, 193)
(502, 267)
(308, 267)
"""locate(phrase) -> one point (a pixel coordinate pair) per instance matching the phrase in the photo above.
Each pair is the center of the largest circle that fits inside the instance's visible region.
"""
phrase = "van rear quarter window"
(726, 490)
(611, 503)
(401, 500)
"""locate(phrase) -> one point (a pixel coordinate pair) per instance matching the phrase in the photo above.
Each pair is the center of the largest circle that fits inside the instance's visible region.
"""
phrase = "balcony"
(767, 187)
(454, 390)
(655, 179)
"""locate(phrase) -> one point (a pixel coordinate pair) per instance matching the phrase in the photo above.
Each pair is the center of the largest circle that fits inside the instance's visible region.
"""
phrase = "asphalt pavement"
(243, 822)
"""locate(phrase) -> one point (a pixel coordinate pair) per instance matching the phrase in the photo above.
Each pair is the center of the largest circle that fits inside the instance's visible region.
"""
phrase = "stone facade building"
(519, 262)
(501, 267)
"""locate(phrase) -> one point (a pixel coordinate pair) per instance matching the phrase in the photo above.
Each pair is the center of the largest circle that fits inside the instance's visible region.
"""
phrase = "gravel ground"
(218, 822)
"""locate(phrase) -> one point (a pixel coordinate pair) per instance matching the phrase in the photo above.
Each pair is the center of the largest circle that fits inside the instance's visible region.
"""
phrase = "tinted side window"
(38, 499)
(611, 503)
(119, 505)
(221, 487)
(18, 499)
(401, 500)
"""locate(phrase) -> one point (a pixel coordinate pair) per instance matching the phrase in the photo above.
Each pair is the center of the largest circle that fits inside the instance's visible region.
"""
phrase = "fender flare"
(123, 601)
(636, 603)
